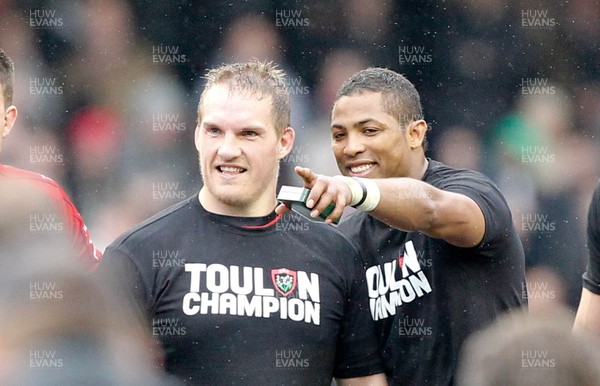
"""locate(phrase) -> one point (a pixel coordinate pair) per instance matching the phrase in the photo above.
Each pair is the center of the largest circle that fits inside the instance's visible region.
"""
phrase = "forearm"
(406, 204)
(413, 205)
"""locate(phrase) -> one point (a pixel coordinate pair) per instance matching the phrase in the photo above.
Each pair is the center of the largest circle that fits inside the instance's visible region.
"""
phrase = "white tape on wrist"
(372, 195)
(355, 188)
(365, 192)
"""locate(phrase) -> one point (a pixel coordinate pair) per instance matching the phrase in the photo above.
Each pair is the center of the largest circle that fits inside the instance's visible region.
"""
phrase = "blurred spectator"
(542, 164)
(459, 147)
(314, 143)
(522, 350)
(59, 215)
(60, 327)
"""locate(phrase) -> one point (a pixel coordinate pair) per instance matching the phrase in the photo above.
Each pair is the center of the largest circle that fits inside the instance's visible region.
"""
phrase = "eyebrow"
(360, 123)
(249, 127)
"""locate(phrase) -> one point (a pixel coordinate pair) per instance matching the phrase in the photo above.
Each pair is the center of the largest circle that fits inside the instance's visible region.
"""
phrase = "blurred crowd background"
(107, 92)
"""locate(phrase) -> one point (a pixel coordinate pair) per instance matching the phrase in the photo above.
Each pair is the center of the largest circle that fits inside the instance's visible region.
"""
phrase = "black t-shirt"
(427, 295)
(591, 277)
(252, 301)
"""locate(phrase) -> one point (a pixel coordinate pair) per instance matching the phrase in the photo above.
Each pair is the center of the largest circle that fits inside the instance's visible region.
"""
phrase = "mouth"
(230, 170)
(361, 169)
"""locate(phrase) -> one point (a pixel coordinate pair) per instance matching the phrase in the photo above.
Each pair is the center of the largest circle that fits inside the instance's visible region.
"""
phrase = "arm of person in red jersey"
(79, 235)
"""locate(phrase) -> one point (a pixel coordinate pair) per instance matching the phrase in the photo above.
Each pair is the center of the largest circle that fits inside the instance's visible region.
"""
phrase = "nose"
(229, 147)
(353, 145)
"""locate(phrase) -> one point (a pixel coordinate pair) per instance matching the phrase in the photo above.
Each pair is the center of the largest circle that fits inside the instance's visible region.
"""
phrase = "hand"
(323, 191)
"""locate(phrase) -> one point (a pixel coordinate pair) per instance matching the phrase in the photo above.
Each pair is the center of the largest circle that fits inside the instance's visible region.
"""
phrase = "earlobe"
(285, 143)
(416, 132)
(10, 117)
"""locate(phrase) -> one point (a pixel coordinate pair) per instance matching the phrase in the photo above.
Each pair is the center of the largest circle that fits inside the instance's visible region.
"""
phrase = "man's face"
(239, 151)
(367, 141)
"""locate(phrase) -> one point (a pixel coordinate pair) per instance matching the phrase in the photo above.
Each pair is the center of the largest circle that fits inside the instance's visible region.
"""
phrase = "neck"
(419, 166)
(258, 208)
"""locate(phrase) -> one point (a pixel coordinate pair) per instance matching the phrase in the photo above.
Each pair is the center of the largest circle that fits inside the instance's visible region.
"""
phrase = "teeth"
(361, 168)
(231, 169)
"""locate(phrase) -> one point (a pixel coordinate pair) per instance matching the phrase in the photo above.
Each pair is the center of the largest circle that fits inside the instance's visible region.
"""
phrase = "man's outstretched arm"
(404, 203)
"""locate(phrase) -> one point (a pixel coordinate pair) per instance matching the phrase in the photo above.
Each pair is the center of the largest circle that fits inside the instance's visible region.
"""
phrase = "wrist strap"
(365, 192)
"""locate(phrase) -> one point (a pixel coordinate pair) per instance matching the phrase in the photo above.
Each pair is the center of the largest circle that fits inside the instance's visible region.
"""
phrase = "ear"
(415, 133)
(285, 142)
(197, 137)
(10, 116)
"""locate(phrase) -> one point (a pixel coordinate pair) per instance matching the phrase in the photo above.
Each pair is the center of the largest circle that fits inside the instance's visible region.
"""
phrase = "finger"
(322, 204)
(319, 188)
(281, 209)
(307, 175)
(338, 211)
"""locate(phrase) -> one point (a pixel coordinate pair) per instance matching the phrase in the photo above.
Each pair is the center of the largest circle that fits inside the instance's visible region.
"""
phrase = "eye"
(369, 130)
(338, 135)
(249, 133)
(213, 131)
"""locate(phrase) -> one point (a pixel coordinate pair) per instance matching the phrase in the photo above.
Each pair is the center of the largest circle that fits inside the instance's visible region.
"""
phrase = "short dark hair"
(7, 73)
(400, 97)
(262, 78)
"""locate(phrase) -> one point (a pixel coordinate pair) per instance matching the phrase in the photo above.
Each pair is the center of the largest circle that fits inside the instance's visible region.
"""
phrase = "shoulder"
(325, 235)
(163, 223)
(595, 204)
(28, 177)
(441, 176)
(593, 227)
(475, 185)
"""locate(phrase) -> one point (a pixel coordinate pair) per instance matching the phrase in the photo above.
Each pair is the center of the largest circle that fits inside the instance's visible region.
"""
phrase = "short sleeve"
(591, 277)
(498, 219)
(119, 273)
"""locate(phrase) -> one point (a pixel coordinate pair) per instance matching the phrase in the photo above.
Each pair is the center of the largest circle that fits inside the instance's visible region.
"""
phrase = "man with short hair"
(236, 293)
(445, 259)
(60, 210)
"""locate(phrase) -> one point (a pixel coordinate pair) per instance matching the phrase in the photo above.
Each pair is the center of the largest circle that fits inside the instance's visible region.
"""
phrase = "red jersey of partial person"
(77, 233)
